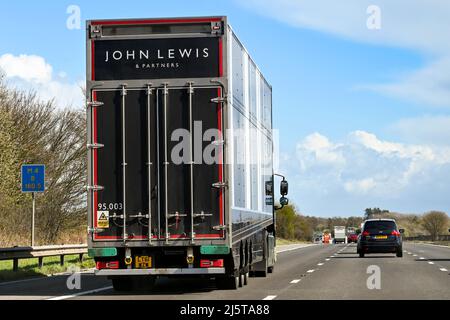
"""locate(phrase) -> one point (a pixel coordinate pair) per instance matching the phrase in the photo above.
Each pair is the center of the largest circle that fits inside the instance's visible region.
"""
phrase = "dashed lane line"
(269, 297)
(295, 281)
(80, 294)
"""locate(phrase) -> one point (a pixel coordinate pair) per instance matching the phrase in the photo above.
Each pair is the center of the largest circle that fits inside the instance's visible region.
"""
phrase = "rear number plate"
(143, 262)
(380, 237)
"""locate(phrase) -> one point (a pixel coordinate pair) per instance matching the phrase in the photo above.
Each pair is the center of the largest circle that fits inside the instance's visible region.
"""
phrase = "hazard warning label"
(103, 219)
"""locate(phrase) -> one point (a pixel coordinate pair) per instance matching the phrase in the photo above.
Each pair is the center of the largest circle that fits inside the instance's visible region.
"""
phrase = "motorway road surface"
(302, 272)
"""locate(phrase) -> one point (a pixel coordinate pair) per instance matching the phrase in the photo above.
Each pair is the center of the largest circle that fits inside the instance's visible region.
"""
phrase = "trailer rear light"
(211, 263)
(107, 265)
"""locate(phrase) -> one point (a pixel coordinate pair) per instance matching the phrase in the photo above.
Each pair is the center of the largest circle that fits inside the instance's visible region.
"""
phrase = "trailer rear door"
(146, 169)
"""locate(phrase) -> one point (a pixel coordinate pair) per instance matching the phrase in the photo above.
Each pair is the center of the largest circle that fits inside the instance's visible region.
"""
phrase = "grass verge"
(281, 242)
(29, 268)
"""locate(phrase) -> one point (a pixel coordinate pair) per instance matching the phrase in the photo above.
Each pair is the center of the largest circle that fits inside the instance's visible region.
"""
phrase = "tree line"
(32, 131)
(292, 225)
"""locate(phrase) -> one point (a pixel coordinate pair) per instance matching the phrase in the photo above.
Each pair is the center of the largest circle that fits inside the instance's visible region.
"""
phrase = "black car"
(380, 236)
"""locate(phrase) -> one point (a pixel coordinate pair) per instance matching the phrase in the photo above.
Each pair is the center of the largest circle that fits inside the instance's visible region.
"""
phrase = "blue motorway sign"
(33, 178)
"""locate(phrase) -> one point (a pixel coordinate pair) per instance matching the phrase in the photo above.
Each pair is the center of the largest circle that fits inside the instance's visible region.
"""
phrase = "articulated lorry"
(180, 153)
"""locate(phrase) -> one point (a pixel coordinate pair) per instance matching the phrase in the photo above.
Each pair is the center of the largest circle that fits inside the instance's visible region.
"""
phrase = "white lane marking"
(310, 271)
(290, 248)
(320, 264)
(429, 262)
(414, 255)
(443, 269)
(80, 294)
(433, 245)
(327, 259)
(409, 253)
(421, 258)
(269, 297)
(295, 281)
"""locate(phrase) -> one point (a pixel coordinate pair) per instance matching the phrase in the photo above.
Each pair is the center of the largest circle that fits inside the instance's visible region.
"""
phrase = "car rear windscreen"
(375, 226)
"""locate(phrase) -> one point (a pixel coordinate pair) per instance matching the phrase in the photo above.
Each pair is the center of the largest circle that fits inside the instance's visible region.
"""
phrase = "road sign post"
(33, 181)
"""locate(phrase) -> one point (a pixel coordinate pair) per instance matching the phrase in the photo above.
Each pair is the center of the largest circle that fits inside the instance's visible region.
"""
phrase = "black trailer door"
(149, 173)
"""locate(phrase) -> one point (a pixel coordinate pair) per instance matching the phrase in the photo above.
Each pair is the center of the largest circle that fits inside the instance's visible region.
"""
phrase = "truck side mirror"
(284, 188)
(284, 201)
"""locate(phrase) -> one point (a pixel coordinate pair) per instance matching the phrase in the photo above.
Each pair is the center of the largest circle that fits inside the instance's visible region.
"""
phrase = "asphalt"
(301, 273)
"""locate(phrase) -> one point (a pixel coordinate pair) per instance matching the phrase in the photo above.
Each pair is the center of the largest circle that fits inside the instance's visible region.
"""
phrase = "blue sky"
(364, 115)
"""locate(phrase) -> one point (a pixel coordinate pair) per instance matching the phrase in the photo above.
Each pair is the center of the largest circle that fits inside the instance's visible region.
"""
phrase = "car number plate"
(380, 237)
(143, 262)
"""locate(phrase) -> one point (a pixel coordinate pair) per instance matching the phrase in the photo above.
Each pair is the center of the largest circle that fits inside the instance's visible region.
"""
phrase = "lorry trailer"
(180, 153)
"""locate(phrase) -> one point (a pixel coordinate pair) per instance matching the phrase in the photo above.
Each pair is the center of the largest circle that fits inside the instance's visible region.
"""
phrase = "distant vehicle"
(339, 234)
(380, 236)
(352, 237)
(351, 230)
(326, 238)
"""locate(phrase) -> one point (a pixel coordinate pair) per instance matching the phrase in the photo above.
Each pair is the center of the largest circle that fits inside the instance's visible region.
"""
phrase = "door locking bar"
(191, 159)
(123, 93)
(166, 163)
(149, 163)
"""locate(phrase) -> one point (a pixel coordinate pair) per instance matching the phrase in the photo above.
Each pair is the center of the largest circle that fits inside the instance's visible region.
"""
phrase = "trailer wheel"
(122, 284)
(246, 276)
(227, 283)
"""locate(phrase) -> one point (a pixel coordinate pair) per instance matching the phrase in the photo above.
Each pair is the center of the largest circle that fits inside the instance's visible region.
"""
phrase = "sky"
(361, 89)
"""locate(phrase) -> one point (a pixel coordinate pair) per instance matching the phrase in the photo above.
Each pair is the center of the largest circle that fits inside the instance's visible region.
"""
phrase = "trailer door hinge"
(94, 104)
(96, 31)
(95, 230)
(216, 27)
(95, 145)
(95, 188)
(219, 100)
(220, 185)
(218, 142)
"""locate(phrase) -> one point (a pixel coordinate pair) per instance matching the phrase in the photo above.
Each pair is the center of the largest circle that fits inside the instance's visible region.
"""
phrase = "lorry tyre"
(122, 284)
(361, 254)
(246, 276)
(270, 269)
(263, 271)
(399, 253)
(227, 283)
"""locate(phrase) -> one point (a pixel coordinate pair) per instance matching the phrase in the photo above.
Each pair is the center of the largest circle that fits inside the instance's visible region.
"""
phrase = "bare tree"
(32, 131)
(435, 222)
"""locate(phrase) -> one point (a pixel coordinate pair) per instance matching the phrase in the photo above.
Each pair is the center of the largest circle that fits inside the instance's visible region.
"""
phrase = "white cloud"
(31, 72)
(26, 67)
(418, 25)
(365, 169)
